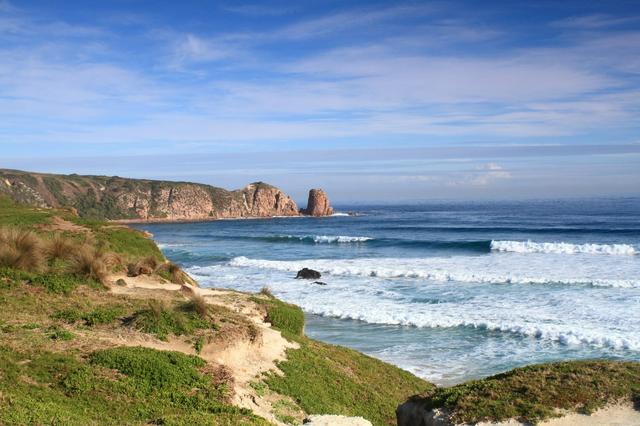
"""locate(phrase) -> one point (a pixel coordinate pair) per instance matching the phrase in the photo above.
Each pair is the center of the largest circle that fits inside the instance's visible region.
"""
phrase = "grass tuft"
(60, 247)
(21, 249)
(92, 263)
(163, 320)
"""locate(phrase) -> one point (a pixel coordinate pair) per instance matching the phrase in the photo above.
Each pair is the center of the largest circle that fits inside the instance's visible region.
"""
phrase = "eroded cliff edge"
(123, 199)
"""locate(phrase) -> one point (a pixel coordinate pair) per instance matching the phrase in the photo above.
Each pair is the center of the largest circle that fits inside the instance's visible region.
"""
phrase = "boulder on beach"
(308, 274)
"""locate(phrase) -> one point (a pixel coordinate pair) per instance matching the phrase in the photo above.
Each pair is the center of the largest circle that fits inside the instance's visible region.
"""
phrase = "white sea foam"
(561, 333)
(339, 239)
(469, 270)
(169, 245)
(338, 214)
(327, 239)
(563, 248)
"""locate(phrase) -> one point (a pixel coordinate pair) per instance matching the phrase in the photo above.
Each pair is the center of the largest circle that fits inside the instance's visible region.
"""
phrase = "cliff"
(117, 198)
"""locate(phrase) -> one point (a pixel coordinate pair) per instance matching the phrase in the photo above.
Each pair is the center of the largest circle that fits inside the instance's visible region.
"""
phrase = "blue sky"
(370, 100)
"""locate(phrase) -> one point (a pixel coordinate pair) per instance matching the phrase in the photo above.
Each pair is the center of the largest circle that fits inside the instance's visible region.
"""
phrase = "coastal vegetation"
(79, 347)
(538, 392)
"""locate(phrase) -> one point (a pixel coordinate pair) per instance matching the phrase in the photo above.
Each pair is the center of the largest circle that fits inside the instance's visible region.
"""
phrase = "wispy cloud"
(596, 21)
(406, 74)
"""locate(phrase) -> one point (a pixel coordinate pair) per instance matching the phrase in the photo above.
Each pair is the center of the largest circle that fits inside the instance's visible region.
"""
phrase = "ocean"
(450, 291)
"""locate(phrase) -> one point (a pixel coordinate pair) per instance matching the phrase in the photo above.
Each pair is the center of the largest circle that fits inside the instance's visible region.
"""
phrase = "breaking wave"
(563, 248)
(426, 270)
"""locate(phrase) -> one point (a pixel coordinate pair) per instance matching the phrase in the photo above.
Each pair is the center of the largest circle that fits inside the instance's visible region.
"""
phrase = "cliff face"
(318, 204)
(119, 198)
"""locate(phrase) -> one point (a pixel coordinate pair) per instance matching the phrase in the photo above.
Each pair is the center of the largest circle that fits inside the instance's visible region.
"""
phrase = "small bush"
(103, 315)
(266, 291)
(199, 344)
(198, 305)
(56, 283)
(79, 380)
(163, 320)
(59, 247)
(21, 249)
(69, 316)
(57, 333)
(175, 274)
(91, 263)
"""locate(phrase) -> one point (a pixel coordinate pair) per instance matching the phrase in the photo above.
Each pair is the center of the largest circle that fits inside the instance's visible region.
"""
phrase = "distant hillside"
(117, 198)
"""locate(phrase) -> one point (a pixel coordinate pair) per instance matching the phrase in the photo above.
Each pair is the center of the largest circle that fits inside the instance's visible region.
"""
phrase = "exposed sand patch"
(331, 420)
(245, 358)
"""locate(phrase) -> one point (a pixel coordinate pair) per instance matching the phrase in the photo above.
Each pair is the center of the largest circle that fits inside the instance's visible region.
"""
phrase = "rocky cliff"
(117, 198)
(318, 204)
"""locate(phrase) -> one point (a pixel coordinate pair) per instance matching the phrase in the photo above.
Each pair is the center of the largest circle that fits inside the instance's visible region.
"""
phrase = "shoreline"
(215, 219)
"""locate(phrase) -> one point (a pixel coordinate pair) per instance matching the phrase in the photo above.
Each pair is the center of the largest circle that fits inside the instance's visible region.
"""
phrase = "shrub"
(57, 333)
(20, 249)
(59, 247)
(79, 380)
(102, 315)
(91, 263)
(199, 344)
(198, 305)
(69, 316)
(56, 283)
(175, 274)
(266, 291)
(163, 320)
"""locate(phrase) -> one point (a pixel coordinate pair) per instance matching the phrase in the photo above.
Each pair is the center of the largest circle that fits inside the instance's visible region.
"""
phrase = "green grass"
(57, 333)
(327, 379)
(283, 316)
(116, 386)
(128, 242)
(102, 315)
(534, 393)
(165, 320)
(13, 214)
(57, 283)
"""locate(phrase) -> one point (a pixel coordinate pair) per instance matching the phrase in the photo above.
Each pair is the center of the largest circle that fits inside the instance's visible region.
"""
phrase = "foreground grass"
(115, 386)
(328, 379)
(534, 393)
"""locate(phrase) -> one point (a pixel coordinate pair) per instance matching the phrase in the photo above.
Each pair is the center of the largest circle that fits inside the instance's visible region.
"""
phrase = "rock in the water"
(318, 204)
(319, 283)
(308, 274)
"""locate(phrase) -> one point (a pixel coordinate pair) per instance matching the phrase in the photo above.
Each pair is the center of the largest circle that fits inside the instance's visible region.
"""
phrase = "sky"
(373, 101)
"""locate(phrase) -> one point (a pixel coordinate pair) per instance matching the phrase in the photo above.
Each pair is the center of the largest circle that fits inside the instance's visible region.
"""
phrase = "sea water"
(447, 290)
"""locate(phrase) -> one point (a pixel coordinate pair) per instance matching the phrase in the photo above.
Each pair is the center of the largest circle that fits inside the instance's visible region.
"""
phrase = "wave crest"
(563, 248)
(374, 268)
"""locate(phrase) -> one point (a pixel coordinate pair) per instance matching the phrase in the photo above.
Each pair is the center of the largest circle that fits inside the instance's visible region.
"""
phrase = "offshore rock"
(308, 274)
(318, 204)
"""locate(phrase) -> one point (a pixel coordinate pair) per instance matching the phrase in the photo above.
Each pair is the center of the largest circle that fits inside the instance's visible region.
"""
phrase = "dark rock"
(308, 274)
(319, 283)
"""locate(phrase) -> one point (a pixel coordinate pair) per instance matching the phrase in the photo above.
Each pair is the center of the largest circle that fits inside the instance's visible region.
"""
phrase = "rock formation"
(308, 274)
(318, 204)
(119, 198)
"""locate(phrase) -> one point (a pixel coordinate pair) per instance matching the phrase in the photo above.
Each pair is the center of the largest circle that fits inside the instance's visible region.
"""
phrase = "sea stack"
(318, 204)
